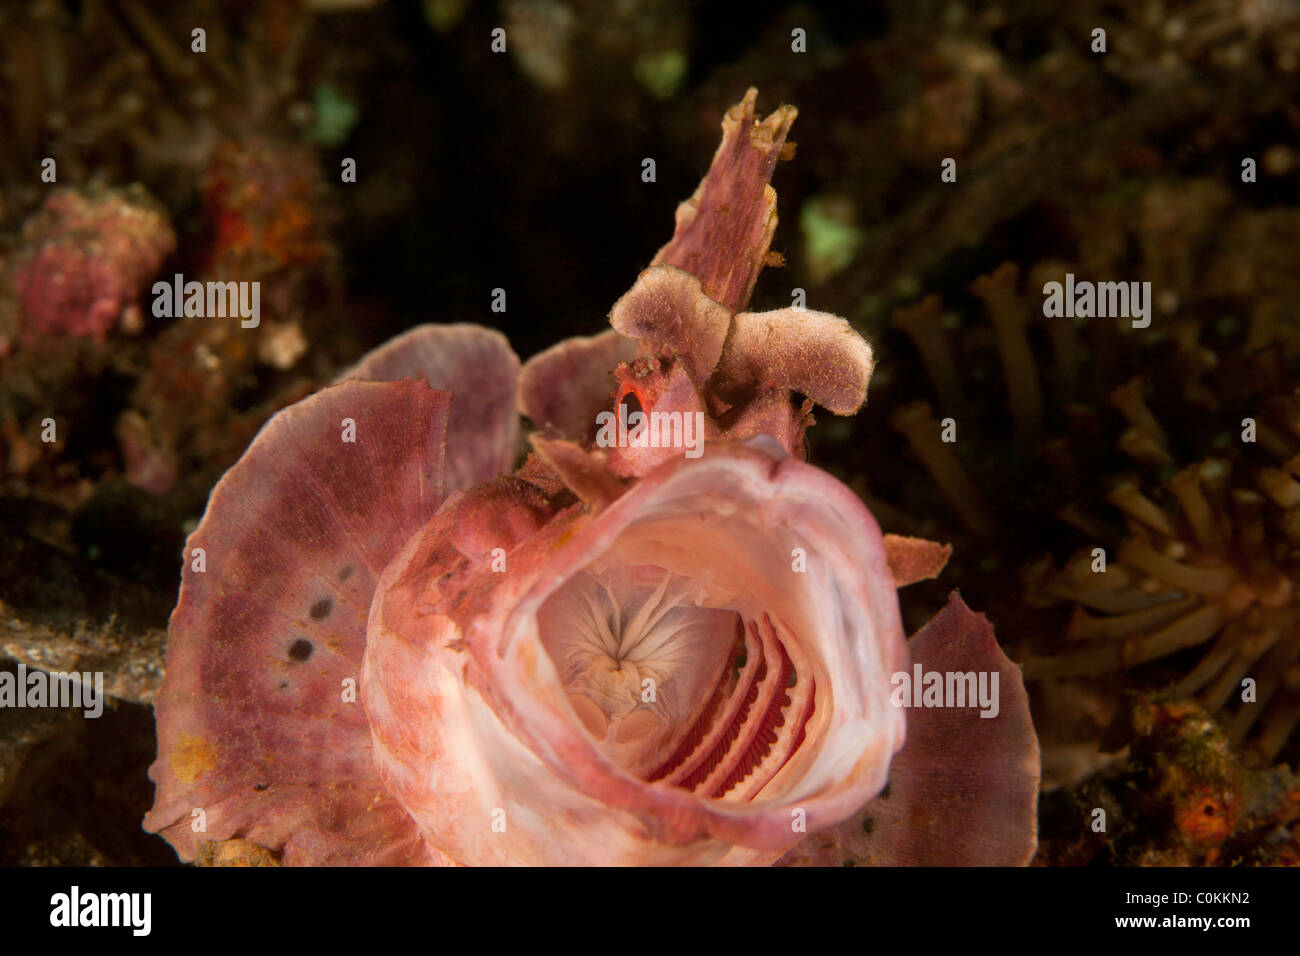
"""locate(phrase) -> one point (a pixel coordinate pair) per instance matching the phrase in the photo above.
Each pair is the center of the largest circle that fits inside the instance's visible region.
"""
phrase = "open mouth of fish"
(709, 643)
(678, 680)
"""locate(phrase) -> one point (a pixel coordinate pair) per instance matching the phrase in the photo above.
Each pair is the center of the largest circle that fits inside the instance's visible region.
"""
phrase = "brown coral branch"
(1020, 371)
(917, 425)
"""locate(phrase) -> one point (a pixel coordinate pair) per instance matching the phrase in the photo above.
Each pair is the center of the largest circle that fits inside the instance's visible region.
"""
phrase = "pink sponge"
(89, 253)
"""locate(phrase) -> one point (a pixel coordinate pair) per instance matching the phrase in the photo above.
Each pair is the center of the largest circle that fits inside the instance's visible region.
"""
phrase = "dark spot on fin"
(321, 608)
(259, 787)
(345, 573)
(301, 649)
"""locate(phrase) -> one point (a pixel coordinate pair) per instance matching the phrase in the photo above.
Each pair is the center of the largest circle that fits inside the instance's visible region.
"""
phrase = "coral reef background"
(523, 171)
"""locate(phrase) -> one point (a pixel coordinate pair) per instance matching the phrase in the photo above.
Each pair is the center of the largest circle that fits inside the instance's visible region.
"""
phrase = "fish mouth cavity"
(761, 554)
(678, 681)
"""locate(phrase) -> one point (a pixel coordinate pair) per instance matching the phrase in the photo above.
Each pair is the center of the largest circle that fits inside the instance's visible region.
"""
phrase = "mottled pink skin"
(501, 735)
(740, 370)
(294, 538)
(254, 726)
(669, 311)
(480, 369)
(565, 386)
(724, 230)
(668, 389)
(91, 254)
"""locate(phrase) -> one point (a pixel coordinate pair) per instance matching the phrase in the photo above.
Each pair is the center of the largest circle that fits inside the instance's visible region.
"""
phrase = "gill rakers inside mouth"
(698, 697)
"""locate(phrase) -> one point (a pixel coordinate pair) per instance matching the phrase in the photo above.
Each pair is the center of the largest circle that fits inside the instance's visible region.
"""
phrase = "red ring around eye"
(631, 388)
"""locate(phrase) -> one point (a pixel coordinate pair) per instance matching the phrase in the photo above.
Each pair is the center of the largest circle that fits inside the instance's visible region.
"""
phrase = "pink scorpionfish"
(387, 650)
